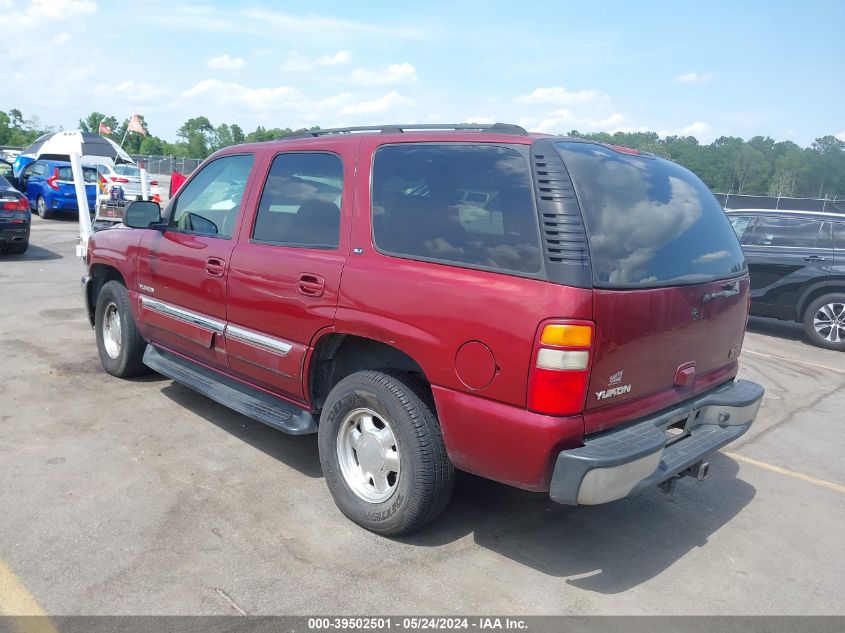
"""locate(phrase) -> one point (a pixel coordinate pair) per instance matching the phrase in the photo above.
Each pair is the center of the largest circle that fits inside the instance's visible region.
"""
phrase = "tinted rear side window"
(649, 222)
(467, 204)
(790, 232)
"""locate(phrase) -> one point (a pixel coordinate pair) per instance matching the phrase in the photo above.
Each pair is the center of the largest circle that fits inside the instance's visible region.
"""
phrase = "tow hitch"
(699, 471)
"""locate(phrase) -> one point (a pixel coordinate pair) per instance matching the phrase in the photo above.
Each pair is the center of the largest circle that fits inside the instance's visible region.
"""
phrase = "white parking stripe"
(794, 360)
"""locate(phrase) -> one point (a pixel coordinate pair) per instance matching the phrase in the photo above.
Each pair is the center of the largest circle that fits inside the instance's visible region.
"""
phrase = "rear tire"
(382, 453)
(42, 209)
(824, 322)
(18, 248)
(119, 343)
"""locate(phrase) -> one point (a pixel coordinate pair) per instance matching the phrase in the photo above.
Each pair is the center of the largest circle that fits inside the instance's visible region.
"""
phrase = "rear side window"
(649, 222)
(789, 232)
(839, 236)
(300, 204)
(467, 204)
(740, 224)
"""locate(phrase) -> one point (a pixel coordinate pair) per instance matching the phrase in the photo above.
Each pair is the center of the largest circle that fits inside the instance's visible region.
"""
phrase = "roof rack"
(495, 128)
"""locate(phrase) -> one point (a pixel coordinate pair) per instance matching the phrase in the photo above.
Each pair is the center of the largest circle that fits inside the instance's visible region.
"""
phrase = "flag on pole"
(104, 129)
(135, 125)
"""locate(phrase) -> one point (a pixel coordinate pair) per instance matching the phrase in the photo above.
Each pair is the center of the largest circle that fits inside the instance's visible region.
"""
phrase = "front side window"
(300, 203)
(208, 205)
(790, 232)
(465, 204)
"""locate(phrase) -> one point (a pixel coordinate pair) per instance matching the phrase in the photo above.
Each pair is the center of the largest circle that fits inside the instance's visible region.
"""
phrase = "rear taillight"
(154, 183)
(118, 179)
(51, 181)
(560, 367)
(16, 205)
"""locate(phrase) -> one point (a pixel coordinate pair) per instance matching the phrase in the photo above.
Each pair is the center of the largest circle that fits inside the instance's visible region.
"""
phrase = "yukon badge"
(615, 379)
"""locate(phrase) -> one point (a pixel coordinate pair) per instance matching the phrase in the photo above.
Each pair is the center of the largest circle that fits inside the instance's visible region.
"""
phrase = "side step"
(250, 402)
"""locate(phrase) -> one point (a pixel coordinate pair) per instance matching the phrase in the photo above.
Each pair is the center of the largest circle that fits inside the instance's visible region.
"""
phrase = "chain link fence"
(742, 201)
(166, 165)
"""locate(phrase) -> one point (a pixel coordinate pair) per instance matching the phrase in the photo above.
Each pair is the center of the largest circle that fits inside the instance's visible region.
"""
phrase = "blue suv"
(48, 184)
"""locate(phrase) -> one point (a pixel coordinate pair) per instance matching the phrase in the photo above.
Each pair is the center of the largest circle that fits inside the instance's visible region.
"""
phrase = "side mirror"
(142, 214)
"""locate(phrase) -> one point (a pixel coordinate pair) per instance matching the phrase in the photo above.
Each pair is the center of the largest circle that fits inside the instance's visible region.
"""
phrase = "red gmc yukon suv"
(555, 314)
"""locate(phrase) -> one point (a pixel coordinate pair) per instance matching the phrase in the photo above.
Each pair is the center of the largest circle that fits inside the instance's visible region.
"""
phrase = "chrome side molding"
(218, 327)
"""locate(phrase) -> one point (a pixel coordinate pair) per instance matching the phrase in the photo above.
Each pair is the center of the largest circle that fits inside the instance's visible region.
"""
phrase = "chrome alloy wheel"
(829, 322)
(368, 455)
(111, 331)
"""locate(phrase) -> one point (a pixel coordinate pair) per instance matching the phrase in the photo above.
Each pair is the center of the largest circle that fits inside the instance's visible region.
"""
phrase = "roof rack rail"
(495, 128)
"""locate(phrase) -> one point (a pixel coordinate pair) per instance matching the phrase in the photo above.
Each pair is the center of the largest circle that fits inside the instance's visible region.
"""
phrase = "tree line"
(757, 166)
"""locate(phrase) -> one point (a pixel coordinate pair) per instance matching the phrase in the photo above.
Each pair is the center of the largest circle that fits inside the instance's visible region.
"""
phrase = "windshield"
(649, 222)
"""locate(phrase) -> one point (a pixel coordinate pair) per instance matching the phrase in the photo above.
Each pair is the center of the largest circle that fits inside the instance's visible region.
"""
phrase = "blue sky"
(705, 69)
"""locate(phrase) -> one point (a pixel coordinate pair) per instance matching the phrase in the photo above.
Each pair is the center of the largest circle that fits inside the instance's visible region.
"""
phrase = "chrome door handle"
(814, 258)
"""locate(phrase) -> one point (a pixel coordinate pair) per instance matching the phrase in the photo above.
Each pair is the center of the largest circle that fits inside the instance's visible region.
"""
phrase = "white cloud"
(698, 129)
(131, 90)
(390, 101)
(61, 38)
(561, 96)
(229, 93)
(482, 120)
(394, 74)
(694, 78)
(711, 257)
(563, 120)
(840, 135)
(225, 62)
(297, 62)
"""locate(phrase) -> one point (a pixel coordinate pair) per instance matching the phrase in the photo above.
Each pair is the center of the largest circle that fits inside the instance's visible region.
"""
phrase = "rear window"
(127, 170)
(89, 174)
(465, 204)
(649, 222)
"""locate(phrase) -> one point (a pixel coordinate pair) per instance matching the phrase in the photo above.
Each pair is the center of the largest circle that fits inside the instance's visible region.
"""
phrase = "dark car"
(797, 265)
(15, 219)
(48, 184)
(556, 314)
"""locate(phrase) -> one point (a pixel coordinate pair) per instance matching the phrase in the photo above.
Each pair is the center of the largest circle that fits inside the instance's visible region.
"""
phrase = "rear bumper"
(10, 235)
(610, 465)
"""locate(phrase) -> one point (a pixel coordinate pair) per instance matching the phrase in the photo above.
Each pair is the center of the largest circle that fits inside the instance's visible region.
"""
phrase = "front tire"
(382, 453)
(41, 208)
(119, 343)
(824, 322)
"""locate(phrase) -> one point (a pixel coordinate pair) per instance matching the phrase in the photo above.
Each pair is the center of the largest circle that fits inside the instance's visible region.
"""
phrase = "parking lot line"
(794, 360)
(15, 600)
(783, 471)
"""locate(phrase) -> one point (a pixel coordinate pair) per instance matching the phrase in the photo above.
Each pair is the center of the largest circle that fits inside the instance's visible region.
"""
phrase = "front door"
(182, 271)
(285, 271)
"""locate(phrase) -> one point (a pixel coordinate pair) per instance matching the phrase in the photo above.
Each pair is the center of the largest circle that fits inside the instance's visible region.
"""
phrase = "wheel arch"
(100, 275)
(336, 355)
(814, 292)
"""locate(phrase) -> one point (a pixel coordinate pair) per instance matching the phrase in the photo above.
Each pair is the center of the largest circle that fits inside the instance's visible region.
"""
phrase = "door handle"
(310, 285)
(215, 266)
(728, 290)
(814, 258)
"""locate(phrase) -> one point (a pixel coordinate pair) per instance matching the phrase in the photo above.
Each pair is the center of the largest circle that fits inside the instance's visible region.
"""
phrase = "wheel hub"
(829, 322)
(112, 331)
(368, 455)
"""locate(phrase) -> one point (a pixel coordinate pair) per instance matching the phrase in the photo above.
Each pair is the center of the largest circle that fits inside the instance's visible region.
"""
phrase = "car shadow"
(605, 549)
(33, 253)
(297, 451)
(789, 330)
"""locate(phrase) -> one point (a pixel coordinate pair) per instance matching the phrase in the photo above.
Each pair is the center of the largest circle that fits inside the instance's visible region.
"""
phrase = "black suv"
(797, 265)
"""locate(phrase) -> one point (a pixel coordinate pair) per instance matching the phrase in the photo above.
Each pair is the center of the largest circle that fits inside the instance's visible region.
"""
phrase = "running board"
(239, 397)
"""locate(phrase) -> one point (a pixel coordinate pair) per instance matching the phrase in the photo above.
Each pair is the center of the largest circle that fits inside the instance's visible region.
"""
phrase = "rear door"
(182, 271)
(285, 272)
(786, 255)
(669, 277)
